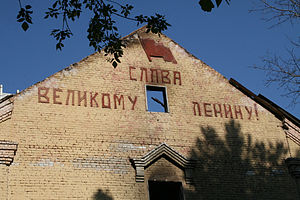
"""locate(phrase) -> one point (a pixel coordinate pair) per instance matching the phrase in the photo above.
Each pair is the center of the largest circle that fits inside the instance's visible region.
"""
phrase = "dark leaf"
(59, 46)
(206, 5)
(118, 60)
(115, 64)
(21, 20)
(218, 2)
(28, 19)
(28, 7)
(54, 5)
(25, 26)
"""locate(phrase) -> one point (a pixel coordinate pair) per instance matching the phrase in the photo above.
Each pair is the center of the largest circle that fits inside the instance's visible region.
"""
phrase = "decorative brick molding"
(6, 107)
(163, 149)
(293, 165)
(292, 131)
(8, 151)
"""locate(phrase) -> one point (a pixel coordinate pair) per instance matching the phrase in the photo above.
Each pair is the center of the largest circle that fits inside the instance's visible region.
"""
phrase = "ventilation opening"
(156, 99)
(165, 190)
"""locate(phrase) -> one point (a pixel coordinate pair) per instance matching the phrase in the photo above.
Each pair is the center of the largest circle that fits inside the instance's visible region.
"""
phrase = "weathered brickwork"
(78, 130)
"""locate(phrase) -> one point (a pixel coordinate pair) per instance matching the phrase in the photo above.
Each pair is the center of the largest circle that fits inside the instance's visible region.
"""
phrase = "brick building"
(162, 125)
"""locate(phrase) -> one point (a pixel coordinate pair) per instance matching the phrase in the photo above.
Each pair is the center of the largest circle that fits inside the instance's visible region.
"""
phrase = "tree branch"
(281, 10)
(20, 4)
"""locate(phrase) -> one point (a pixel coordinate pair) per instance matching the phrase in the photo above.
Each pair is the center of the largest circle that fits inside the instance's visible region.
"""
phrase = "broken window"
(156, 99)
(159, 190)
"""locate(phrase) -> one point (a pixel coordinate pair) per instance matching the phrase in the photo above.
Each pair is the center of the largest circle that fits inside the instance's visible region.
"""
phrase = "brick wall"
(72, 146)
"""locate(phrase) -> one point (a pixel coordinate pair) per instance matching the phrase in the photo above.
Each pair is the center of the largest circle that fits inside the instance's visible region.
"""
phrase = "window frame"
(165, 97)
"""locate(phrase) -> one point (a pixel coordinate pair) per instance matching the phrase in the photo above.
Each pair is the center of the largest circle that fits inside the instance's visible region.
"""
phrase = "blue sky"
(230, 40)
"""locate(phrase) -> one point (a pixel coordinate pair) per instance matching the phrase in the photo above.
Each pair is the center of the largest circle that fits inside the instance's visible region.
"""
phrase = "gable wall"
(82, 152)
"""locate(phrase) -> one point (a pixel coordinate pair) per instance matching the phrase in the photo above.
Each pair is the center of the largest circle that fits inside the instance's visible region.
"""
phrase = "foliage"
(208, 5)
(24, 16)
(283, 70)
(102, 30)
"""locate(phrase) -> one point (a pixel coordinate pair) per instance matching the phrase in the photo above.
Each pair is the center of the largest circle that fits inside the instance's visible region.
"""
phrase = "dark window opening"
(156, 99)
(165, 190)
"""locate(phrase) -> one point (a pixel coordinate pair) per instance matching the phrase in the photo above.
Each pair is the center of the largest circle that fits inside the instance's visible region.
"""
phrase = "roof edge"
(276, 110)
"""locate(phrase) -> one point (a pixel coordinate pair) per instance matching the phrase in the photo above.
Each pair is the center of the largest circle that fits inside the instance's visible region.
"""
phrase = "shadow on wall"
(101, 195)
(237, 167)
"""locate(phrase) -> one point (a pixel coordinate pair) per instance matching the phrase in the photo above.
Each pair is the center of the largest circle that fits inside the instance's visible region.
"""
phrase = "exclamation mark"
(256, 111)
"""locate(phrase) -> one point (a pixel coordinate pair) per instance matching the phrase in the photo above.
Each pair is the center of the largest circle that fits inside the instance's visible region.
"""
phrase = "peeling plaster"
(178, 49)
(69, 71)
(233, 89)
(112, 164)
(134, 36)
(129, 147)
(262, 109)
(27, 93)
(46, 163)
(246, 101)
(213, 77)
(15, 163)
(50, 82)
(125, 147)
(43, 163)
